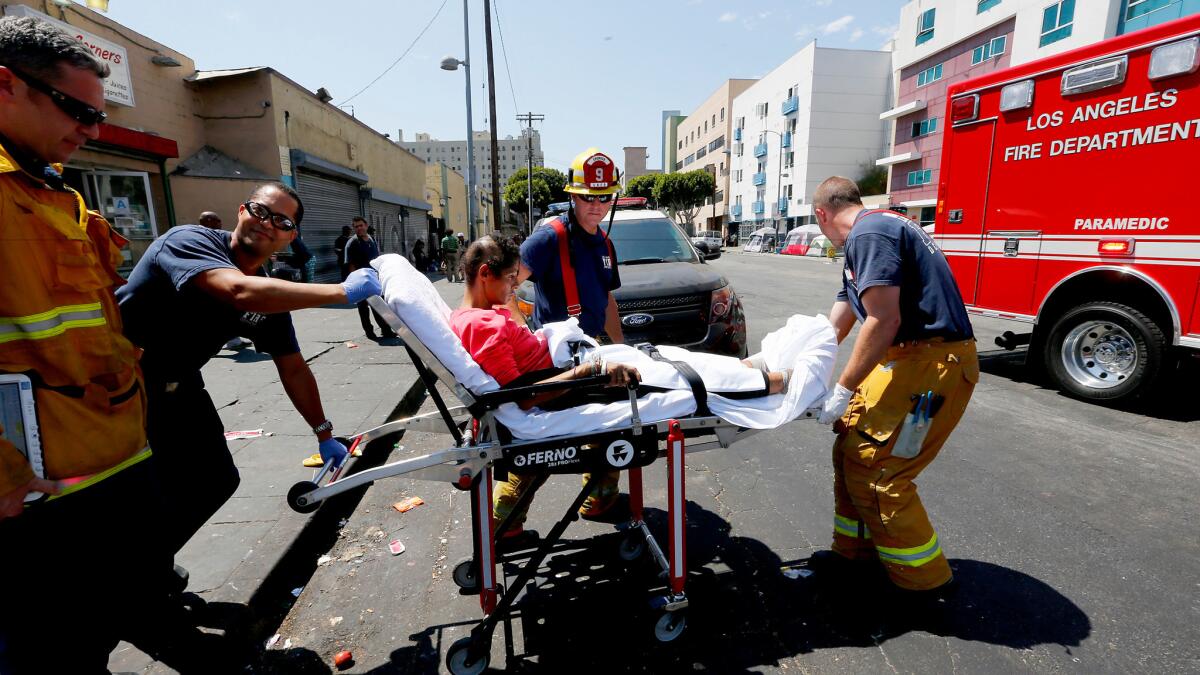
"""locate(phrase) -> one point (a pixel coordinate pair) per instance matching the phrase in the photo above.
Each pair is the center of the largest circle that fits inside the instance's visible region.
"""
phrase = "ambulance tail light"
(964, 109)
(1116, 247)
(1176, 58)
(1095, 76)
(1016, 96)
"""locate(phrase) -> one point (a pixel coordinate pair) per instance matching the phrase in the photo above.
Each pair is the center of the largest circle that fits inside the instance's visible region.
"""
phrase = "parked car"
(708, 242)
(668, 294)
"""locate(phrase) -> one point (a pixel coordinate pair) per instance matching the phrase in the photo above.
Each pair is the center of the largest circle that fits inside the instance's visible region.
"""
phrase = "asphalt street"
(1071, 527)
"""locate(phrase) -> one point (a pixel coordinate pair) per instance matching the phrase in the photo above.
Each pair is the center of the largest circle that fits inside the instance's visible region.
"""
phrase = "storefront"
(398, 221)
(331, 200)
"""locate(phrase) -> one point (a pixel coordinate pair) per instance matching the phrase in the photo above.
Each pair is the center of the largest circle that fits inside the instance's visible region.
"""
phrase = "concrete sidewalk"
(247, 558)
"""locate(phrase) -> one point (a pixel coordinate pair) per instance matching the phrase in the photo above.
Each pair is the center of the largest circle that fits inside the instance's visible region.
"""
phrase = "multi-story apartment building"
(702, 142)
(945, 41)
(513, 154)
(813, 116)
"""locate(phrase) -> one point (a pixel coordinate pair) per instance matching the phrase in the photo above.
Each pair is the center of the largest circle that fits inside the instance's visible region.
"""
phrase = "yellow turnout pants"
(877, 512)
(508, 492)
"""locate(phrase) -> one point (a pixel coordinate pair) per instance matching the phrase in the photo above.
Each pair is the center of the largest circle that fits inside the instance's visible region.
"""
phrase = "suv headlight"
(722, 302)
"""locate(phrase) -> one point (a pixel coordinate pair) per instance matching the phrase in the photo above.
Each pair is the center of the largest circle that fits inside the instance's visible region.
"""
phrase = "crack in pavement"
(321, 353)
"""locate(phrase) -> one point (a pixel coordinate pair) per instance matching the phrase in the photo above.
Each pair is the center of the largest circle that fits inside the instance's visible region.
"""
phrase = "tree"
(683, 193)
(547, 188)
(643, 186)
(873, 180)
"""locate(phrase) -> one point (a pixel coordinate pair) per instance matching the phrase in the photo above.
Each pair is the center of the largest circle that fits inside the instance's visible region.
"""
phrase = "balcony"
(737, 134)
(735, 210)
(787, 140)
(902, 110)
(760, 150)
(760, 178)
(897, 159)
(758, 207)
(791, 105)
(781, 207)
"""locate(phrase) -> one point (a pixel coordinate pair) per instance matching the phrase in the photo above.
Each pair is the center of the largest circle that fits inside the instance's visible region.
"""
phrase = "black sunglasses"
(603, 199)
(73, 107)
(278, 220)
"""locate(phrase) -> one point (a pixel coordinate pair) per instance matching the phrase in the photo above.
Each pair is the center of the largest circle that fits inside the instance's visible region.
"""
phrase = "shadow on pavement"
(590, 611)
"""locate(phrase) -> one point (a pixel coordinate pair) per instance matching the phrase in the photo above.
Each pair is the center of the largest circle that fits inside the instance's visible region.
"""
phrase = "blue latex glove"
(361, 284)
(330, 448)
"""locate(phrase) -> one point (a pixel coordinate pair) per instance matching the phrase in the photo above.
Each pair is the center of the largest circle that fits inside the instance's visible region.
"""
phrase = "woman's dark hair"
(498, 254)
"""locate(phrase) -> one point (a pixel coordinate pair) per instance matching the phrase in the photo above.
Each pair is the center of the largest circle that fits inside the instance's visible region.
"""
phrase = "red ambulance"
(1065, 202)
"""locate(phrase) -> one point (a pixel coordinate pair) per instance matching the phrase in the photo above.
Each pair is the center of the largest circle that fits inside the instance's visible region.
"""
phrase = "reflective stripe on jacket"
(60, 325)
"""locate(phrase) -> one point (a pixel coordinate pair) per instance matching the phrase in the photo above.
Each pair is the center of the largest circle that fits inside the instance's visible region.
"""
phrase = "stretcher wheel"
(670, 626)
(465, 577)
(299, 490)
(632, 547)
(462, 658)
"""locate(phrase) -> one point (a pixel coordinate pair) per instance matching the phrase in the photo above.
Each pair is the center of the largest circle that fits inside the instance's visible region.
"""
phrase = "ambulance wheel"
(632, 547)
(295, 497)
(465, 577)
(670, 626)
(463, 659)
(1104, 351)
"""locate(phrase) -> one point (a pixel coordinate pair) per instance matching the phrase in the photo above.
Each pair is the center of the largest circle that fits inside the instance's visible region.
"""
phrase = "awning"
(919, 203)
(391, 198)
(896, 159)
(137, 142)
(902, 110)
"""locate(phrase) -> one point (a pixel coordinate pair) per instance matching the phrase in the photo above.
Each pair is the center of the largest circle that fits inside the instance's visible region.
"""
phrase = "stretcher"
(483, 446)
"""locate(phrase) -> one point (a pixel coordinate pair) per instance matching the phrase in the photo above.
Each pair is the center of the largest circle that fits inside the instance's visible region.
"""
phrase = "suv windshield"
(650, 240)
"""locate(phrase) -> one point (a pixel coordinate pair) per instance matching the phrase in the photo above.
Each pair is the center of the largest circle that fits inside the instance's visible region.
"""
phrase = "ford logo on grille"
(634, 320)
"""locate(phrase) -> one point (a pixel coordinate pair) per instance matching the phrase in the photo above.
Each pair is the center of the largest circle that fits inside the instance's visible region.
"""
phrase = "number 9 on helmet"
(593, 173)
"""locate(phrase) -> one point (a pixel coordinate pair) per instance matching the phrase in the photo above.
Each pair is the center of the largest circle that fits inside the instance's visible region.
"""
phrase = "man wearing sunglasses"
(194, 289)
(80, 543)
(574, 268)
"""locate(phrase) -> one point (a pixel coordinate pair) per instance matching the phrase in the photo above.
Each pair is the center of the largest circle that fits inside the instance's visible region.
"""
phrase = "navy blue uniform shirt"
(596, 274)
(180, 326)
(886, 249)
(360, 253)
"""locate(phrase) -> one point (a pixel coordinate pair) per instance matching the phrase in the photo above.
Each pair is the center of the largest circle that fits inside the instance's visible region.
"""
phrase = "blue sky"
(601, 72)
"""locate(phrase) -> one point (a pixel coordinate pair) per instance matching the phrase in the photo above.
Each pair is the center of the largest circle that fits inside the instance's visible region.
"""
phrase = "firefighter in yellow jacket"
(902, 392)
(78, 544)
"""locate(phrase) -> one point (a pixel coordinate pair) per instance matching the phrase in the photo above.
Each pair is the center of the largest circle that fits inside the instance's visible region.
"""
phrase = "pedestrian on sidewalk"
(360, 251)
(192, 290)
(339, 251)
(915, 355)
(419, 260)
(80, 568)
(574, 266)
(449, 248)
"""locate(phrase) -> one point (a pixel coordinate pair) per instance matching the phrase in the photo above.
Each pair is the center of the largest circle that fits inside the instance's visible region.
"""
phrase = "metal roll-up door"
(328, 205)
(416, 226)
(385, 218)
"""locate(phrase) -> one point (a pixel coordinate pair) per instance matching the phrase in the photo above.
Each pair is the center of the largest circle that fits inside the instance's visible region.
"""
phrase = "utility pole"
(491, 74)
(529, 119)
(471, 207)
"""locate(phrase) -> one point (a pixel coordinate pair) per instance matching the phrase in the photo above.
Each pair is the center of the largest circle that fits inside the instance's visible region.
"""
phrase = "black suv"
(668, 294)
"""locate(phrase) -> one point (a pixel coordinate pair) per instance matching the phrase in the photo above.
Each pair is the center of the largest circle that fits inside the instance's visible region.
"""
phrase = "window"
(985, 5)
(714, 119)
(924, 127)
(737, 177)
(789, 159)
(716, 143)
(723, 169)
(706, 125)
(722, 114)
(989, 50)
(680, 145)
(762, 166)
(1140, 7)
(737, 199)
(1057, 20)
(925, 26)
(920, 177)
(689, 159)
(929, 75)
(740, 123)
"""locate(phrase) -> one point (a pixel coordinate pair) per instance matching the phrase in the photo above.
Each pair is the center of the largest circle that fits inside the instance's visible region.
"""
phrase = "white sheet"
(806, 344)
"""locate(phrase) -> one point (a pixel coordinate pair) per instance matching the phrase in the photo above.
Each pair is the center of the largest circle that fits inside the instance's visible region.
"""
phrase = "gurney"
(491, 435)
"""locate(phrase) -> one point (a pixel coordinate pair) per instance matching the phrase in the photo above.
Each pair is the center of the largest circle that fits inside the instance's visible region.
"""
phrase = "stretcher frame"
(481, 447)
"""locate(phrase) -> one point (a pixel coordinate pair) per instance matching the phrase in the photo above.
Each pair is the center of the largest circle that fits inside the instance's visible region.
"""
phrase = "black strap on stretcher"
(699, 391)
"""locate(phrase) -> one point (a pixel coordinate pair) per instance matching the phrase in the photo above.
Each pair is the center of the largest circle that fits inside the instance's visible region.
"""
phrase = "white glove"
(835, 405)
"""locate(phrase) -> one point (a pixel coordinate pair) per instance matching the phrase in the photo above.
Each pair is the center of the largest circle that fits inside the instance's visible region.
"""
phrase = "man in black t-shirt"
(194, 289)
(907, 384)
(360, 251)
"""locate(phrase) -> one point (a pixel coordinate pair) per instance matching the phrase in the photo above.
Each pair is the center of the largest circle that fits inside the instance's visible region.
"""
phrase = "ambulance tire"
(1123, 332)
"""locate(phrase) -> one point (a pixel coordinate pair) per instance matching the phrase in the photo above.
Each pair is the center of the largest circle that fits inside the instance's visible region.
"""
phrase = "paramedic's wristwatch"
(323, 427)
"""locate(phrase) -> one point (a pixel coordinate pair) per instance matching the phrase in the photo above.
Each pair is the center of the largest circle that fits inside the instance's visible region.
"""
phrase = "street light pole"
(451, 63)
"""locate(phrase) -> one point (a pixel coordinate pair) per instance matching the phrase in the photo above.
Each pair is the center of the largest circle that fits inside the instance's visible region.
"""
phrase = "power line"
(401, 57)
(504, 51)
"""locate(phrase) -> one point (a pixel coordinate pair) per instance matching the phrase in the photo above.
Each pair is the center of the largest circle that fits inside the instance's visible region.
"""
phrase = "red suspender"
(570, 288)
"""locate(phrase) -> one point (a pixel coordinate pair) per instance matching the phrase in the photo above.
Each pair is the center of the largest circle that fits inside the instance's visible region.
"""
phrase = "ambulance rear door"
(963, 197)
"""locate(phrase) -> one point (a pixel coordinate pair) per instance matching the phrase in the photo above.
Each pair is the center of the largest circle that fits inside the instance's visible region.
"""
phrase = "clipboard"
(18, 424)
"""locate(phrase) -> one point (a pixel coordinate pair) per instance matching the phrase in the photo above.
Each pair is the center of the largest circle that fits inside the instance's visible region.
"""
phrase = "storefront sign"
(118, 88)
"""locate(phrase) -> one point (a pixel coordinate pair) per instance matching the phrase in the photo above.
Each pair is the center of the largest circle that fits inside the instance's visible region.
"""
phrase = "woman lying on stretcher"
(507, 350)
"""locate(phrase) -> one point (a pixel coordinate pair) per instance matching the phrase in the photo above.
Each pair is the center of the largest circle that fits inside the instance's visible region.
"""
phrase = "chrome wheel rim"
(1100, 354)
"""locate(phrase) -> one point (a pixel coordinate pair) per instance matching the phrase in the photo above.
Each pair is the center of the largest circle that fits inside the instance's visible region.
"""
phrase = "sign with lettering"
(118, 87)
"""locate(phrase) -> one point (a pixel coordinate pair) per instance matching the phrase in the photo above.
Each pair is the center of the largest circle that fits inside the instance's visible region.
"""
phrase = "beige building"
(635, 162)
(180, 141)
(446, 192)
(702, 141)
